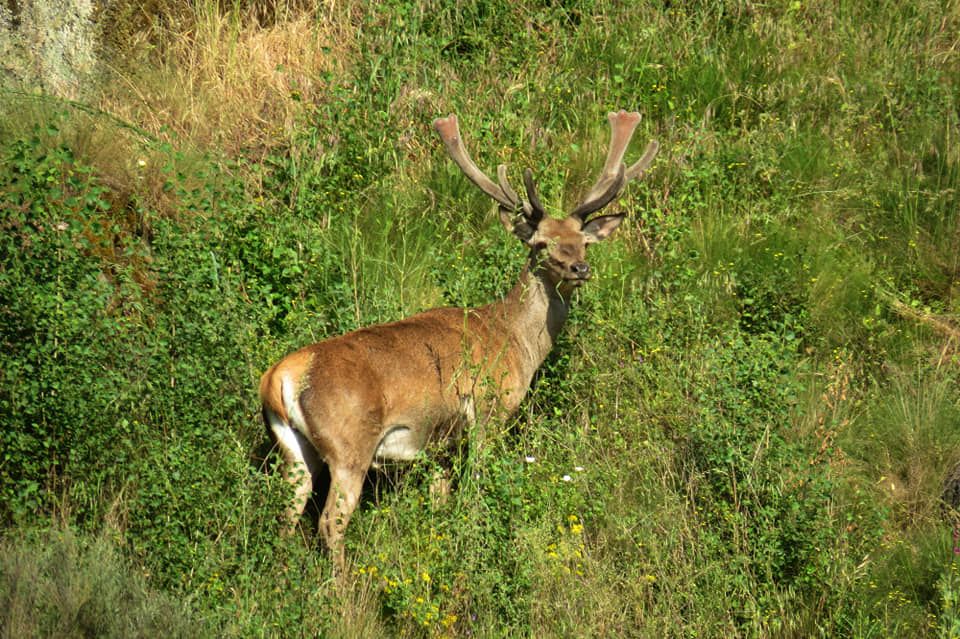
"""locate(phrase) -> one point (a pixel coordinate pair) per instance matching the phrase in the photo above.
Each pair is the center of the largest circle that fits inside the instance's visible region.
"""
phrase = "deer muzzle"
(579, 272)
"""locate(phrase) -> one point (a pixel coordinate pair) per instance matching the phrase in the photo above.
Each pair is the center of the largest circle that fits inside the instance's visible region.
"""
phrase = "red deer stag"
(384, 392)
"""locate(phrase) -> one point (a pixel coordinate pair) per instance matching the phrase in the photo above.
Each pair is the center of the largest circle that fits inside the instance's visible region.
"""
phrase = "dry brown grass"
(229, 81)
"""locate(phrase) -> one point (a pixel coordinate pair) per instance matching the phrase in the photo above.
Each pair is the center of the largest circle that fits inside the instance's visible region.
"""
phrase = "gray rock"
(48, 45)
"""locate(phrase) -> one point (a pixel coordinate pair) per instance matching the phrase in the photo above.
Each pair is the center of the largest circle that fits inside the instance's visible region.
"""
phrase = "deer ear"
(600, 228)
(518, 225)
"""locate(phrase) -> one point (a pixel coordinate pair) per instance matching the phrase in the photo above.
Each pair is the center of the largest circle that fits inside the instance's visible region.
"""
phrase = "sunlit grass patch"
(907, 440)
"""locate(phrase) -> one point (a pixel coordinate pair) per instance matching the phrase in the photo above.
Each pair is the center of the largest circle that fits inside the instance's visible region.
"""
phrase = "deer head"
(558, 246)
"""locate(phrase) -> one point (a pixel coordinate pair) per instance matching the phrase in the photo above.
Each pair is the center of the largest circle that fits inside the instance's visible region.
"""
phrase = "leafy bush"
(64, 318)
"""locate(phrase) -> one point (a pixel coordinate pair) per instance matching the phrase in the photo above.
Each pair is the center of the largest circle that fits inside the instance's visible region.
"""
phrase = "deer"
(385, 392)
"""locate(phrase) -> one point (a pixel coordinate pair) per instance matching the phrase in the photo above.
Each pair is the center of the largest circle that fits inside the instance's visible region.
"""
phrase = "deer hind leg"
(300, 463)
(346, 484)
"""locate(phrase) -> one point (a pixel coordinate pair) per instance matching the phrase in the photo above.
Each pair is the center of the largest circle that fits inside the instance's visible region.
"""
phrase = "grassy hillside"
(744, 432)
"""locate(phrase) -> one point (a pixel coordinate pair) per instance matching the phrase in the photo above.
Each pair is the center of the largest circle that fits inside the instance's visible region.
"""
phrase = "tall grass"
(56, 585)
(742, 432)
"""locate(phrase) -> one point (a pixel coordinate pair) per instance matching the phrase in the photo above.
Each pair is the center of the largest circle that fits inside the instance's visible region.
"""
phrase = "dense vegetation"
(745, 429)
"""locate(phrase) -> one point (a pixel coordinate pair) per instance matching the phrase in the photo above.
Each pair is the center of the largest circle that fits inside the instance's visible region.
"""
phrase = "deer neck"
(534, 312)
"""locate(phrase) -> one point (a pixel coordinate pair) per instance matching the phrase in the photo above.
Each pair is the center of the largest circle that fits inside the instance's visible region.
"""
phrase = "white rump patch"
(291, 435)
(292, 404)
(288, 440)
(296, 444)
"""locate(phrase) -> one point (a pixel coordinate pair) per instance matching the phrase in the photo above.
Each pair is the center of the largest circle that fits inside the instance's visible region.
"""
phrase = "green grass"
(743, 431)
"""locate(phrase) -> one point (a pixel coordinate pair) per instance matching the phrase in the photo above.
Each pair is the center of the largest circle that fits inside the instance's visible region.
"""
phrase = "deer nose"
(580, 269)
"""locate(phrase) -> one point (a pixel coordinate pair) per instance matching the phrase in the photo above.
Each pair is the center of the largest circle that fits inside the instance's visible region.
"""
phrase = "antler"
(615, 175)
(449, 131)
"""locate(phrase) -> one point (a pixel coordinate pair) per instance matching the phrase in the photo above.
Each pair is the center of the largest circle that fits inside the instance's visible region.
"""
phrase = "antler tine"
(536, 212)
(636, 170)
(614, 175)
(510, 193)
(622, 125)
(449, 131)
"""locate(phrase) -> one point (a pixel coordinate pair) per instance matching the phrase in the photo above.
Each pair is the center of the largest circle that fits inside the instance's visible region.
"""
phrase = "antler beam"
(449, 131)
(502, 192)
